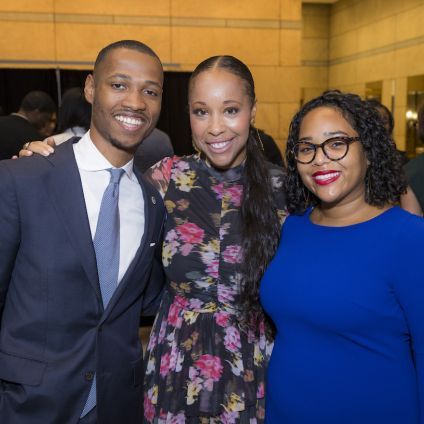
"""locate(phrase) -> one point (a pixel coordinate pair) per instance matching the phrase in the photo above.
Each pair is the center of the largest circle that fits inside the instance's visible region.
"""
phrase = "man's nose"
(134, 100)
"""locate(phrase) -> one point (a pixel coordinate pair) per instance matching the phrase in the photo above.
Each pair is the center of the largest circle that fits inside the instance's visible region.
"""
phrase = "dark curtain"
(174, 119)
(72, 78)
(16, 83)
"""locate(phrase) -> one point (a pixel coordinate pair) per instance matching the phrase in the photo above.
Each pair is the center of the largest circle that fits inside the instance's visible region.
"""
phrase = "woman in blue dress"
(345, 289)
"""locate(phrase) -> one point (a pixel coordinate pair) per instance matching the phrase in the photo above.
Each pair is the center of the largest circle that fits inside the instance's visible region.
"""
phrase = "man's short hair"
(38, 100)
(124, 44)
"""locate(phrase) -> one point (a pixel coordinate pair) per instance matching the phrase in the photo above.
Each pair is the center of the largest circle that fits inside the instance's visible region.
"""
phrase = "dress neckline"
(381, 216)
(228, 175)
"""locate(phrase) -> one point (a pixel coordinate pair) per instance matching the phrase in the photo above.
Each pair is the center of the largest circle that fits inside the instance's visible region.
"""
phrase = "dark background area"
(174, 118)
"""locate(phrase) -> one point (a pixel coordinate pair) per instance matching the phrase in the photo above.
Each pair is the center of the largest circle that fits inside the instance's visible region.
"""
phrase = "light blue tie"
(106, 247)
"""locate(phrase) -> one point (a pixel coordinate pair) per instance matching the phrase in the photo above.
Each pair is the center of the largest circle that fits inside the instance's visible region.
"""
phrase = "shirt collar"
(20, 115)
(89, 158)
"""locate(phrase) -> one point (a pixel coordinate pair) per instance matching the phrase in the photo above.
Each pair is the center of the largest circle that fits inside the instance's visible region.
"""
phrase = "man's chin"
(127, 146)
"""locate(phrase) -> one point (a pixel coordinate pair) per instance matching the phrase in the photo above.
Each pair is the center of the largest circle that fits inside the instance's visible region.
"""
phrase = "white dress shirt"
(93, 166)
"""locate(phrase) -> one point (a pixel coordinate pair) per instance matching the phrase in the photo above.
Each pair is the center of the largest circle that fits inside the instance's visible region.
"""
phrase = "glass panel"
(373, 90)
(415, 99)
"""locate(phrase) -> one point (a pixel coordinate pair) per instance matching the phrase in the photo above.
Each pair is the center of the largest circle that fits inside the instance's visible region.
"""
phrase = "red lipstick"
(325, 177)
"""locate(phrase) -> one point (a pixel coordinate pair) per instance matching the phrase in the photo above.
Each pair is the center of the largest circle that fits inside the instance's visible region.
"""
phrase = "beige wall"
(354, 42)
(315, 50)
(69, 33)
(374, 40)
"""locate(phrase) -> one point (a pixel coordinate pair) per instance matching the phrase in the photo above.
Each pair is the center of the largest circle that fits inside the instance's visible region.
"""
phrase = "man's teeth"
(128, 120)
(219, 145)
(326, 176)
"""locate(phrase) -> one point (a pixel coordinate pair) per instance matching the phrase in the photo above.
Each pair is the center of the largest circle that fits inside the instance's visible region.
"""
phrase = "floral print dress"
(200, 367)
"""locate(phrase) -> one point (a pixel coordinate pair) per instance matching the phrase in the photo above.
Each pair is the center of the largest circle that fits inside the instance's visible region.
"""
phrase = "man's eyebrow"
(154, 83)
(123, 76)
(127, 77)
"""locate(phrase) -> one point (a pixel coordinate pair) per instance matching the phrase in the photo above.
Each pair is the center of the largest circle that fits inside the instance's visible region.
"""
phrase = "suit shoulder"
(37, 165)
(29, 167)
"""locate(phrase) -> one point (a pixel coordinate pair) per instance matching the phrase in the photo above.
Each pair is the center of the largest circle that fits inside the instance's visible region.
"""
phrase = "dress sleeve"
(409, 288)
(159, 174)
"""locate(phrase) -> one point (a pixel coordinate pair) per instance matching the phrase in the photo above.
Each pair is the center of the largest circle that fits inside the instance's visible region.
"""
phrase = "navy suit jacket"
(54, 332)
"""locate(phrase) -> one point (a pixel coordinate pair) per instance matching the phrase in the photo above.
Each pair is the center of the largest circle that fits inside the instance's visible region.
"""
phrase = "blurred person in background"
(413, 200)
(74, 116)
(408, 200)
(35, 119)
(154, 148)
(270, 148)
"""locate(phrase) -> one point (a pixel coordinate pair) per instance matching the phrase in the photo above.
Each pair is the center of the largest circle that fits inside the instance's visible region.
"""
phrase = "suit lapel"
(64, 185)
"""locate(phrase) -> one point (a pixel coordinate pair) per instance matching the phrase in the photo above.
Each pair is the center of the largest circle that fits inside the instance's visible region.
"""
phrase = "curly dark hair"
(260, 221)
(385, 179)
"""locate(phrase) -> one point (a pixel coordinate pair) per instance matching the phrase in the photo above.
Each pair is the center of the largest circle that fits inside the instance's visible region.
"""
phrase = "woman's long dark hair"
(260, 221)
(74, 111)
(385, 180)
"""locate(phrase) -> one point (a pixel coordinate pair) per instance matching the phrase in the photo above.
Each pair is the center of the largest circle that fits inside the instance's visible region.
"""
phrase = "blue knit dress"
(348, 304)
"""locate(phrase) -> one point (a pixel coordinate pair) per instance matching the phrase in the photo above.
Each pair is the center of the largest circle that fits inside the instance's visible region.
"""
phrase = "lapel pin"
(154, 200)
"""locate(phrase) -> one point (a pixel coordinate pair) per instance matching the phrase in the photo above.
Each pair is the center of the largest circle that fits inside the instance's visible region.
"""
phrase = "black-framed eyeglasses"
(334, 148)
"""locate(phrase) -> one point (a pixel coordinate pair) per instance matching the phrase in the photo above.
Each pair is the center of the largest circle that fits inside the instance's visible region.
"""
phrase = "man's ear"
(89, 89)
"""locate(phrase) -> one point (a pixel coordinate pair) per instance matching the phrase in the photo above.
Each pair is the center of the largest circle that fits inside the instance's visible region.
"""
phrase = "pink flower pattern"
(232, 339)
(209, 366)
(232, 254)
(190, 233)
(149, 409)
(222, 318)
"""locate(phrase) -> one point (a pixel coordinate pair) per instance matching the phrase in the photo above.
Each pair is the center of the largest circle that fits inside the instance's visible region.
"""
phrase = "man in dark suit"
(35, 118)
(69, 346)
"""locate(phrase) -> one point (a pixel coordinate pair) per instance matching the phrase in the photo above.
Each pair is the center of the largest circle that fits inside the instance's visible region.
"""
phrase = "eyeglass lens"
(334, 149)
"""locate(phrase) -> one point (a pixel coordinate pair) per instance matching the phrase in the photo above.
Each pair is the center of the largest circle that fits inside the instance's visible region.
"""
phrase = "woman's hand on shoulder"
(44, 148)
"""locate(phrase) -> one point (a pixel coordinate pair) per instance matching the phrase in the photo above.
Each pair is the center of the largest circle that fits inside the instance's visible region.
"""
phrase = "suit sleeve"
(10, 231)
(409, 289)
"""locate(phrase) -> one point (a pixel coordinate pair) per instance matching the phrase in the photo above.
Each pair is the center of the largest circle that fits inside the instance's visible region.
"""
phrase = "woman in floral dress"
(210, 344)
